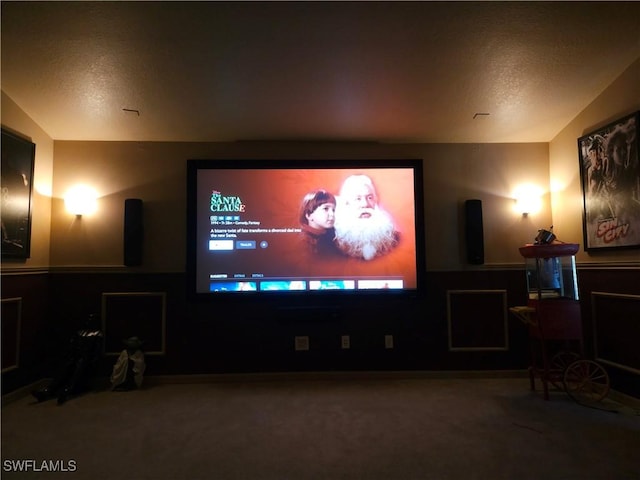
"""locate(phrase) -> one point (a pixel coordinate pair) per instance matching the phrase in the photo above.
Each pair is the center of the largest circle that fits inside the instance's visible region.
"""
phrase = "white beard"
(364, 238)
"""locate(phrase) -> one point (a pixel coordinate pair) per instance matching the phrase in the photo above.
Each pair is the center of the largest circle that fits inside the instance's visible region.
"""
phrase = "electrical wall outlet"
(388, 341)
(345, 341)
(301, 343)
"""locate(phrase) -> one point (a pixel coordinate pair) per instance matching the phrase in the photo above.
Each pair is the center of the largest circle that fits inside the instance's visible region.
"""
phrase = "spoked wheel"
(586, 380)
(559, 363)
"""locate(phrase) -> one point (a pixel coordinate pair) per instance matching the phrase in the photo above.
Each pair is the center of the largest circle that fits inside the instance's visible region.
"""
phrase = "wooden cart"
(553, 318)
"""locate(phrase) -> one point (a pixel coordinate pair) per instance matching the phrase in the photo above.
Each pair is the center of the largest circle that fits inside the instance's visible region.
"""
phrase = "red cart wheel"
(559, 363)
(586, 380)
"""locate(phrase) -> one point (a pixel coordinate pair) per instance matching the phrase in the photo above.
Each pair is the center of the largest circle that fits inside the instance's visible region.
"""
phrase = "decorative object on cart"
(545, 237)
(610, 178)
(553, 318)
(18, 158)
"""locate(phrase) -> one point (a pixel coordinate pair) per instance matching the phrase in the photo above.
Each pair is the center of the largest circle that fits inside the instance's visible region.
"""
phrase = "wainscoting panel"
(11, 315)
(477, 320)
(140, 314)
(616, 327)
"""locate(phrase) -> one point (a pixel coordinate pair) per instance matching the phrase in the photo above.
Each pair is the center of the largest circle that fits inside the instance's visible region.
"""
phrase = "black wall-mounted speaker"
(474, 233)
(133, 232)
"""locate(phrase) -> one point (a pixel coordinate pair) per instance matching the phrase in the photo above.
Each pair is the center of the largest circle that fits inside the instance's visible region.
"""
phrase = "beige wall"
(156, 173)
(16, 121)
(619, 99)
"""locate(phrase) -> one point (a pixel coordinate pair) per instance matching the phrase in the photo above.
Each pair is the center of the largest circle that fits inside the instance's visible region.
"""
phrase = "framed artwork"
(610, 177)
(18, 158)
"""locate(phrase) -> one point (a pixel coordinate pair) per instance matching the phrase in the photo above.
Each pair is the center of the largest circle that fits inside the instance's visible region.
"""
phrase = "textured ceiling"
(362, 71)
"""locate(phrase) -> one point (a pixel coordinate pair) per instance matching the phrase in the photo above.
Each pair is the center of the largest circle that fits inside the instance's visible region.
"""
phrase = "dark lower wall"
(610, 300)
(26, 328)
(218, 337)
(461, 324)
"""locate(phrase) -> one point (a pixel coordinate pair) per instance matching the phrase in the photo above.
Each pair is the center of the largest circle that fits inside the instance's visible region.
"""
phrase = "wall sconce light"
(527, 198)
(81, 200)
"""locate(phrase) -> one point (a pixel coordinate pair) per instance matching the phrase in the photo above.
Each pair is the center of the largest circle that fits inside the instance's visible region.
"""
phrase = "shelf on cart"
(551, 250)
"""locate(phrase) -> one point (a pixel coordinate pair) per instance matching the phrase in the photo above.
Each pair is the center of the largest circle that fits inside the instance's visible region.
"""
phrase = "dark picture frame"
(610, 179)
(18, 160)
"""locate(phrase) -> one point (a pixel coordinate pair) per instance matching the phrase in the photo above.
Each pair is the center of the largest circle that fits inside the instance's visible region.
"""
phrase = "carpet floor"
(280, 429)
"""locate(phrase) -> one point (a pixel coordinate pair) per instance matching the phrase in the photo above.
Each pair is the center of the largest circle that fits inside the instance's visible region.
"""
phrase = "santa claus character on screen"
(363, 229)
